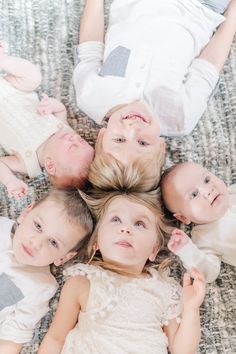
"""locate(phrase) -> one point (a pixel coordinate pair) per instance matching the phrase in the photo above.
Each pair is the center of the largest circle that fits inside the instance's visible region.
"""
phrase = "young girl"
(36, 134)
(119, 303)
(154, 73)
(49, 231)
(195, 195)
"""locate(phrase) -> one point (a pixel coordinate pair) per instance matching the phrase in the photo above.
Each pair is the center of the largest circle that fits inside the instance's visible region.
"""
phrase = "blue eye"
(119, 140)
(143, 143)
(207, 179)
(194, 194)
(140, 224)
(37, 226)
(53, 243)
(116, 219)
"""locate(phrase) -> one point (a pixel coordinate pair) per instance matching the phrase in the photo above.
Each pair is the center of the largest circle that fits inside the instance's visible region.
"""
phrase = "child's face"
(70, 153)
(45, 235)
(196, 195)
(132, 132)
(127, 235)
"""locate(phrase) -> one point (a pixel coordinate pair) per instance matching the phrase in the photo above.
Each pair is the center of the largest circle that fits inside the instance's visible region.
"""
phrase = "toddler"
(49, 231)
(155, 72)
(193, 194)
(34, 134)
(118, 302)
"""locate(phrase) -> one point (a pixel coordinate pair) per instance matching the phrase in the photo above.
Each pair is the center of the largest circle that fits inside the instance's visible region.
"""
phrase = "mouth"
(215, 200)
(123, 243)
(27, 250)
(135, 116)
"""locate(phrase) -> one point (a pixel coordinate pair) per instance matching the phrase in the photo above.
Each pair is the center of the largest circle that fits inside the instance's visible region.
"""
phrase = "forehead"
(186, 177)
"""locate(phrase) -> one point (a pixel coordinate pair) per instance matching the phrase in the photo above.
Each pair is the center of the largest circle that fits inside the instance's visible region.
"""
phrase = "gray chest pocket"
(116, 62)
(10, 294)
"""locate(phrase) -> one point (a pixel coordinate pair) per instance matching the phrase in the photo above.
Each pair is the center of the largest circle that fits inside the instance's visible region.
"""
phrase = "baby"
(50, 231)
(193, 194)
(36, 134)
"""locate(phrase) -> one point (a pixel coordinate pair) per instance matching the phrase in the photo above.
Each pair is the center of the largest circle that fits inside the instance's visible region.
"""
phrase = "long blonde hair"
(130, 183)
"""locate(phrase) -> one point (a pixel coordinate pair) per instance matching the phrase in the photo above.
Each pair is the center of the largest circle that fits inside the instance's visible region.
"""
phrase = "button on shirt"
(25, 291)
(149, 56)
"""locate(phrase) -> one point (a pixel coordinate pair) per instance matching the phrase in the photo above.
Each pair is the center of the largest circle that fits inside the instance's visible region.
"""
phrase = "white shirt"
(212, 243)
(149, 55)
(25, 291)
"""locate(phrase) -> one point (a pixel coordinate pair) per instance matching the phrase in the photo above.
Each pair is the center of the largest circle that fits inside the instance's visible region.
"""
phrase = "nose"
(207, 191)
(36, 242)
(126, 230)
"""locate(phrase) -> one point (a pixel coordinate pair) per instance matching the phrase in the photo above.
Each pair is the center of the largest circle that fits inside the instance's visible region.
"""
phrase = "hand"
(178, 240)
(17, 188)
(46, 105)
(193, 293)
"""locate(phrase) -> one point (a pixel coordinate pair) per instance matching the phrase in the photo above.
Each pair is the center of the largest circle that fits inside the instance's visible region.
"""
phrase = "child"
(155, 72)
(118, 302)
(36, 134)
(50, 231)
(193, 194)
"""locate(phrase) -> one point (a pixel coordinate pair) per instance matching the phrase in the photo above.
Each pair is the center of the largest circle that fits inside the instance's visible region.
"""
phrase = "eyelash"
(116, 219)
(119, 140)
(194, 194)
(140, 223)
(53, 243)
(143, 143)
(207, 179)
(37, 226)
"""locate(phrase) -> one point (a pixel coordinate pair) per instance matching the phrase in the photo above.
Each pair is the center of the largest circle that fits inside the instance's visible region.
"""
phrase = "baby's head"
(53, 229)
(67, 159)
(193, 194)
(132, 133)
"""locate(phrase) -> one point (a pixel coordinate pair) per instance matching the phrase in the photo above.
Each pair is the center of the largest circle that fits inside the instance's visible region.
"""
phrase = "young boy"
(157, 63)
(50, 231)
(193, 194)
(36, 134)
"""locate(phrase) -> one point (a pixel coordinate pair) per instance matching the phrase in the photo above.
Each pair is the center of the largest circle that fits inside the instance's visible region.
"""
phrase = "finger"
(186, 279)
(196, 274)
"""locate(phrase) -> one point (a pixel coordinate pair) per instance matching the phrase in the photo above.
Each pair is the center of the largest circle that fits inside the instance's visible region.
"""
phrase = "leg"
(22, 74)
(217, 50)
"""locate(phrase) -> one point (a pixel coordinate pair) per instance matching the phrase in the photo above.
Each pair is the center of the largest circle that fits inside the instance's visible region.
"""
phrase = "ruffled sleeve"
(173, 299)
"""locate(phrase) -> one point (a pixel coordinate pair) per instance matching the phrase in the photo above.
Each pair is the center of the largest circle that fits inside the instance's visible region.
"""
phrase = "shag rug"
(45, 32)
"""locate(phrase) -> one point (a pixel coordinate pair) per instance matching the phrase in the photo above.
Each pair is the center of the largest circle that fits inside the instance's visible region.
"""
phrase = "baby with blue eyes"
(193, 194)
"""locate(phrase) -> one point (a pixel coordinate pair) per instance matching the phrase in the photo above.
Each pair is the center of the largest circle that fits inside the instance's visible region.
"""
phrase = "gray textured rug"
(44, 31)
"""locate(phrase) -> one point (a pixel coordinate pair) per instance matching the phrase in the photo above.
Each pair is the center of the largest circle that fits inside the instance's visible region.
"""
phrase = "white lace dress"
(124, 315)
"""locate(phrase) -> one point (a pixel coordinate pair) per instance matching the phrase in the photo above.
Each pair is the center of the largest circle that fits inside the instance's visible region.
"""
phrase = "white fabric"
(163, 38)
(212, 243)
(123, 314)
(17, 322)
(22, 129)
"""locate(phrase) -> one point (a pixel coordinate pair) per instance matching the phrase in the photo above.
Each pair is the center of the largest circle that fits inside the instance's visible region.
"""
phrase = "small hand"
(178, 240)
(17, 188)
(45, 106)
(193, 292)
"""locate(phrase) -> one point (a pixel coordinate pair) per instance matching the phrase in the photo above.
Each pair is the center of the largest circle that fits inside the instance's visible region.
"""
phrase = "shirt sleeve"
(90, 57)
(204, 259)
(183, 109)
(19, 324)
(173, 301)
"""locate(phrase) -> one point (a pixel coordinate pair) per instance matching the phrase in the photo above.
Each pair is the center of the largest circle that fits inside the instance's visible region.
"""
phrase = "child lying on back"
(36, 134)
(193, 194)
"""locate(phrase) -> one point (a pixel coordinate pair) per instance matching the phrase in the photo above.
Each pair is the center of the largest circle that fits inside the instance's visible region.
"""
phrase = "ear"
(50, 166)
(153, 255)
(98, 145)
(65, 258)
(182, 218)
(24, 213)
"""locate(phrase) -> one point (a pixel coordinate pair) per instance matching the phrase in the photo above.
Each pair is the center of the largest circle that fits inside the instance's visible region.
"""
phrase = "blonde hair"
(109, 174)
(133, 187)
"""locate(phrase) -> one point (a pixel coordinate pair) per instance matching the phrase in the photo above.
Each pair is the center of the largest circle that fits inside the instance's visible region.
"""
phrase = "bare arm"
(184, 339)
(50, 105)
(66, 315)
(10, 347)
(217, 50)
(22, 74)
(92, 21)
